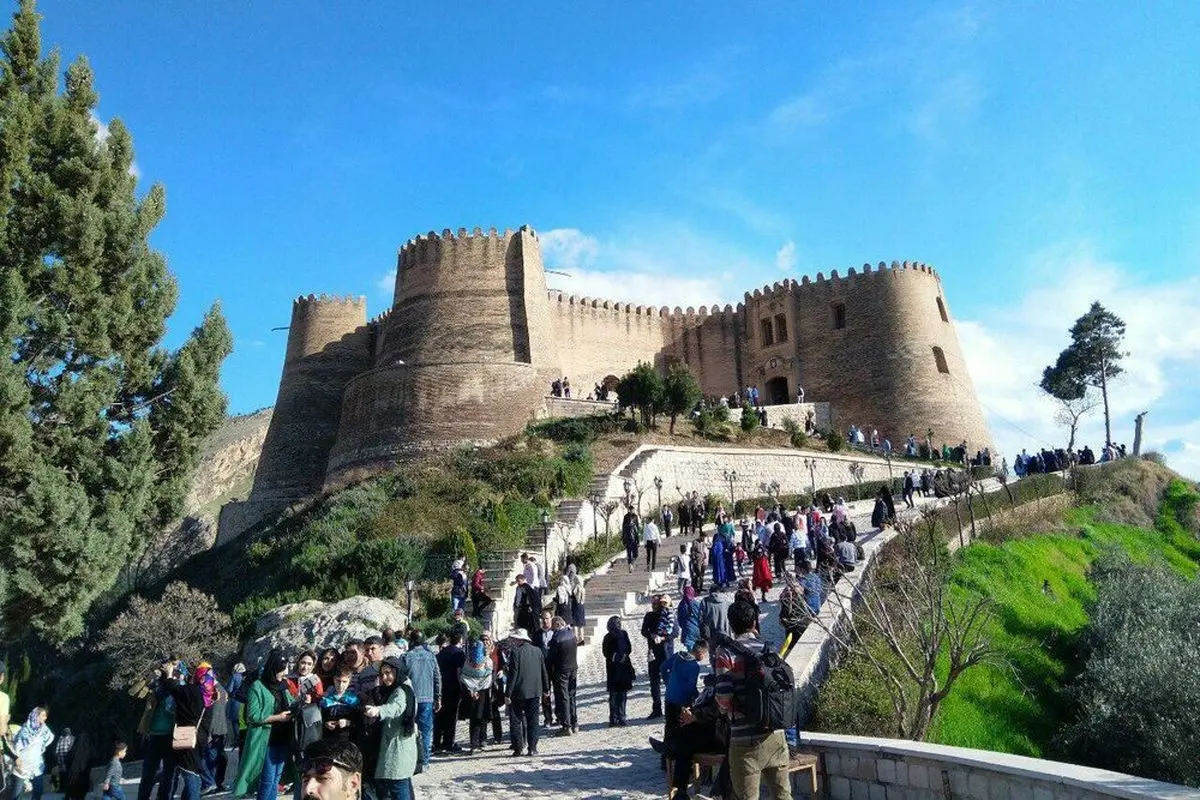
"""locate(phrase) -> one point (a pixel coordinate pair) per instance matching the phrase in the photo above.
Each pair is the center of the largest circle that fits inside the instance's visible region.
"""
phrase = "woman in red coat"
(762, 571)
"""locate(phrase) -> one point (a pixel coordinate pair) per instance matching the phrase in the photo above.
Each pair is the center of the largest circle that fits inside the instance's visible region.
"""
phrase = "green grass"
(1018, 708)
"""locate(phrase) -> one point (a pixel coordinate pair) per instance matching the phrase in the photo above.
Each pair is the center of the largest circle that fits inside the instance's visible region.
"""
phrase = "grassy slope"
(1019, 708)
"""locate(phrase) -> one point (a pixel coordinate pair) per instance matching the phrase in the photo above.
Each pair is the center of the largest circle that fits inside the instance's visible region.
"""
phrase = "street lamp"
(731, 476)
(546, 542)
(810, 464)
(408, 588)
(658, 484)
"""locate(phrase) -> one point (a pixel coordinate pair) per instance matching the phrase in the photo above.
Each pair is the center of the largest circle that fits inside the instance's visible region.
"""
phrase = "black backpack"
(768, 700)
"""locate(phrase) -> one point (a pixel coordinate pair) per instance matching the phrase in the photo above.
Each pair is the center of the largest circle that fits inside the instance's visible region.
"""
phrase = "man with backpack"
(755, 689)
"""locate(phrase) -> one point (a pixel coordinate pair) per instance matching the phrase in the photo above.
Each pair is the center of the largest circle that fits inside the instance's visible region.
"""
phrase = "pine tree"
(99, 424)
(1091, 359)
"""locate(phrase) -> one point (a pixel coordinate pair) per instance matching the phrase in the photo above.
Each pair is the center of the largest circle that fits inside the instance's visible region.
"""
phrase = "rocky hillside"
(225, 472)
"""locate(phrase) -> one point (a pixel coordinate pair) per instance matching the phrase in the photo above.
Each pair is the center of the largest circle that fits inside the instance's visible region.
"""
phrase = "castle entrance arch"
(609, 385)
(777, 391)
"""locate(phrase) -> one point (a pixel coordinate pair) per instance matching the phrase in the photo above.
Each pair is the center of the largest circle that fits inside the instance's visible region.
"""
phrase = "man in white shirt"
(650, 537)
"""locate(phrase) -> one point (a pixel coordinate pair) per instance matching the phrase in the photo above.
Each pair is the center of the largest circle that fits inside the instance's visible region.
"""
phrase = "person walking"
(450, 660)
(650, 538)
(658, 628)
(215, 762)
(193, 704)
(527, 684)
(30, 745)
(618, 670)
(476, 679)
(629, 538)
(563, 666)
(111, 786)
(689, 618)
(578, 616)
(158, 721)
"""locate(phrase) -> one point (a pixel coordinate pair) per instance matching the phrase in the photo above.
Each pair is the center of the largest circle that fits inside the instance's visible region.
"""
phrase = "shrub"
(595, 553)
(795, 432)
(458, 544)
(834, 441)
(183, 621)
(1138, 695)
(750, 421)
(431, 627)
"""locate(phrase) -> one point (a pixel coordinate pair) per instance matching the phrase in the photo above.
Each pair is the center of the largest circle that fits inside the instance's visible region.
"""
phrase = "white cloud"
(566, 248)
(1009, 346)
(386, 285)
(102, 134)
(785, 257)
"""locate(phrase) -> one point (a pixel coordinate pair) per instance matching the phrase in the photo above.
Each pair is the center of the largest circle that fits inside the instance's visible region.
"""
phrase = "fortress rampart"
(474, 337)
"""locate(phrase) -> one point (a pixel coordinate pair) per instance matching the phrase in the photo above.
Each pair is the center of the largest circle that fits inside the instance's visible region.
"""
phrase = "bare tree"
(606, 509)
(1071, 410)
(913, 631)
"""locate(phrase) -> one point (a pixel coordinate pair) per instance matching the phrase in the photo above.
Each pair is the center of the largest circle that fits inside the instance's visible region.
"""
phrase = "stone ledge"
(1100, 782)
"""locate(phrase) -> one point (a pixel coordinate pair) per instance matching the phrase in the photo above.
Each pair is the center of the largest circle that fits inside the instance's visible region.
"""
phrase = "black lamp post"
(811, 465)
(546, 542)
(595, 498)
(731, 476)
(408, 589)
(658, 484)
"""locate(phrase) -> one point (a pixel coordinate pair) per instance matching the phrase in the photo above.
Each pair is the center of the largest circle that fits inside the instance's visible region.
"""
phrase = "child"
(681, 566)
(112, 778)
(739, 556)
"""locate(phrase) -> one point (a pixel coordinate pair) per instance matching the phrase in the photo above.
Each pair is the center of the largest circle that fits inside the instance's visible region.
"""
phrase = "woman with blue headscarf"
(476, 678)
(30, 746)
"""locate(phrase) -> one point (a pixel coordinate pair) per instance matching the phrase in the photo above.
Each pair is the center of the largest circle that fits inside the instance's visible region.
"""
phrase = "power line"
(1015, 426)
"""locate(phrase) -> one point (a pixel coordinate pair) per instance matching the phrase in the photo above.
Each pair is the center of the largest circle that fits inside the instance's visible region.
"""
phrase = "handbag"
(185, 737)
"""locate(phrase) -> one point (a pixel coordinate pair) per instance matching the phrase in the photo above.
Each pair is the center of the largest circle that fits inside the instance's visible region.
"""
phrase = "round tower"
(465, 355)
(880, 346)
(328, 344)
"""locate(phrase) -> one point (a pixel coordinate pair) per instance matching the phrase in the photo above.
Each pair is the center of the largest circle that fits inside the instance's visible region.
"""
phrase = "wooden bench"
(704, 764)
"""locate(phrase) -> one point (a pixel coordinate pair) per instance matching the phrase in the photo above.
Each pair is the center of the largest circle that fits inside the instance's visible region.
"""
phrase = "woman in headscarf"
(269, 733)
(30, 745)
(476, 678)
(193, 701)
(688, 616)
(77, 774)
(495, 658)
(562, 597)
(879, 513)
(762, 571)
(578, 615)
(327, 665)
(396, 761)
(720, 574)
(618, 670)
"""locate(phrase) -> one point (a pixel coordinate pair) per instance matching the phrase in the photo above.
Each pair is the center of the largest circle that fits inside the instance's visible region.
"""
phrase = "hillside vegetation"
(1044, 588)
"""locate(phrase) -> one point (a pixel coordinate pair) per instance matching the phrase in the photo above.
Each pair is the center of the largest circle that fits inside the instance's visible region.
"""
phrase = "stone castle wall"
(473, 339)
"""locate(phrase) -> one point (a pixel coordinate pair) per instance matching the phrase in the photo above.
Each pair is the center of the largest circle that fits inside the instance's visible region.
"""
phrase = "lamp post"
(810, 464)
(658, 484)
(408, 588)
(731, 476)
(546, 542)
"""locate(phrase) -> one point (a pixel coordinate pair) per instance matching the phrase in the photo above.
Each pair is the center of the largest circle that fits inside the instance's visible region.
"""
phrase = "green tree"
(641, 389)
(99, 425)
(1091, 359)
(750, 420)
(681, 392)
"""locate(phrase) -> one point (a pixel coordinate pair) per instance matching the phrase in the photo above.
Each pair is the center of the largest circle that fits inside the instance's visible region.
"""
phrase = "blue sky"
(1039, 155)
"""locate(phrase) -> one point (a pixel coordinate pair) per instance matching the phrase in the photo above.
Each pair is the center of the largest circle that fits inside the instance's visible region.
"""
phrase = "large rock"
(313, 624)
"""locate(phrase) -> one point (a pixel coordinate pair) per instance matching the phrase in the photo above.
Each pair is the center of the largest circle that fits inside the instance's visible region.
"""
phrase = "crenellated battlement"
(820, 282)
(563, 301)
(420, 245)
(304, 301)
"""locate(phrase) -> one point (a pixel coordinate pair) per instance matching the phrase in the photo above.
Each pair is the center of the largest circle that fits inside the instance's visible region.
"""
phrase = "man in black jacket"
(542, 638)
(659, 629)
(563, 666)
(527, 684)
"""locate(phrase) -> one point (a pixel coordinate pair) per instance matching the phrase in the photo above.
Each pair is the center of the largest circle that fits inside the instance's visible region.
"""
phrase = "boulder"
(314, 624)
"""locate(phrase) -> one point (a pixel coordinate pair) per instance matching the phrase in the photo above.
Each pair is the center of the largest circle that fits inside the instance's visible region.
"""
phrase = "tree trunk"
(1071, 440)
(1104, 394)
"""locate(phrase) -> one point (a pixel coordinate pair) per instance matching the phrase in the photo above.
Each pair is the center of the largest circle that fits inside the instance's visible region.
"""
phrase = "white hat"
(458, 564)
(518, 633)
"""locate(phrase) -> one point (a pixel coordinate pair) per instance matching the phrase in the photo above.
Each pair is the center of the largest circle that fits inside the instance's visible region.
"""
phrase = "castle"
(474, 338)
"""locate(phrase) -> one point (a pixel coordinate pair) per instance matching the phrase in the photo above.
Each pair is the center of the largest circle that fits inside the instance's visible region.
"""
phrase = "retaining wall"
(856, 767)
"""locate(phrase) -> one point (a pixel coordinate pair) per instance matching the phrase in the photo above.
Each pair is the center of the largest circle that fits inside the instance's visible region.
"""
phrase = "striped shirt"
(730, 669)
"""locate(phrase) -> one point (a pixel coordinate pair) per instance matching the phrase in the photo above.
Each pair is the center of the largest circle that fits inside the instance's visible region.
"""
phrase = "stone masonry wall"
(857, 767)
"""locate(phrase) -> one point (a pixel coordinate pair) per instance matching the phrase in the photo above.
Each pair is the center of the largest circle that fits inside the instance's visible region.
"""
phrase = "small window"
(940, 358)
(768, 334)
(839, 316)
(780, 328)
(942, 310)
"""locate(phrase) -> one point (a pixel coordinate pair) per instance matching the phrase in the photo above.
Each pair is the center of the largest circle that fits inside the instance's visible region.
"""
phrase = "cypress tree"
(100, 425)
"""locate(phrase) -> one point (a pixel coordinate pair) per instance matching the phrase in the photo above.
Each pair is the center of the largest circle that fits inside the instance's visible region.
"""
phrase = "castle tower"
(465, 355)
(328, 344)
(878, 345)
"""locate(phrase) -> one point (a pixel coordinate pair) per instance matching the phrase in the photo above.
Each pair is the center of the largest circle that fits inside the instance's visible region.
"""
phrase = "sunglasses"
(322, 766)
